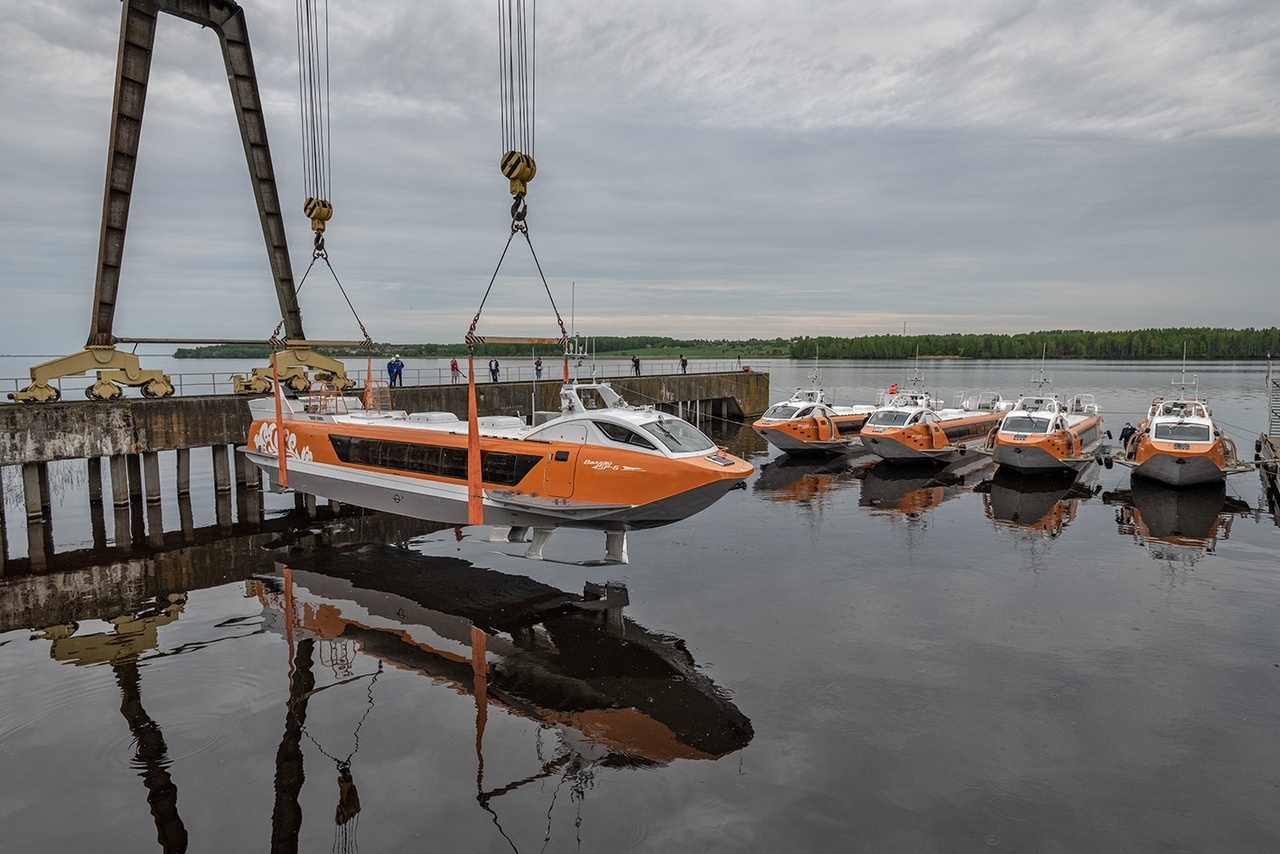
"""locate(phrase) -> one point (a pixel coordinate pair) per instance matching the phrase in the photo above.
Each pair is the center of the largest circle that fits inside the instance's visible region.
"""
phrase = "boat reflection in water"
(1040, 504)
(614, 693)
(1176, 525)
(895, 489)
(808, 478)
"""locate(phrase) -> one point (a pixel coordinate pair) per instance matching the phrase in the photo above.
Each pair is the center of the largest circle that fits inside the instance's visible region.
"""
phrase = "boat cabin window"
(1182, 432)
(888, 418)
(679, 436)
(1024, 424)
(624, 435)
(495, 466)
(781, 410)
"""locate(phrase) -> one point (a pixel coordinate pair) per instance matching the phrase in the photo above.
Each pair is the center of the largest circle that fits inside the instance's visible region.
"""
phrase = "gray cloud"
(817, 169)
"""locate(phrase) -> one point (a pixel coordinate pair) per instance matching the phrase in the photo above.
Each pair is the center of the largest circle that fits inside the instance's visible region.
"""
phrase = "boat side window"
(495, 466)
(679, 436)
(888, 418)
(1182, 432)
(624, 435)
(500, 467)
(780, 410)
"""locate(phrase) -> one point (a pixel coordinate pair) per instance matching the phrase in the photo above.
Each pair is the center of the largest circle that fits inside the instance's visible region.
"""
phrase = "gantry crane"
(133, 66)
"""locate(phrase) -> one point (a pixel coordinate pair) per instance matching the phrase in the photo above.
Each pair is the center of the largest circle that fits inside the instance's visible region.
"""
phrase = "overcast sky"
(734, 169)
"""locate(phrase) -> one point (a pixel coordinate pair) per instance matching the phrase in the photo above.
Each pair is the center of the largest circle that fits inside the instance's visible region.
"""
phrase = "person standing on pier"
(635, 364)
(537, 367)
(684, 364)
(493, 370)
(395, 371)
(454, 373)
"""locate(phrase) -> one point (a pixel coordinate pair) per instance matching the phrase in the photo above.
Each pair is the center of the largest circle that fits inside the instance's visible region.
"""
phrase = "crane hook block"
(319, 210)
(520, 169)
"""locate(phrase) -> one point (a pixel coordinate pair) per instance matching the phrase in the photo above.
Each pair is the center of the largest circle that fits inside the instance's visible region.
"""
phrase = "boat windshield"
(1182, 432)
(781, 410)
(888, 418)
(1025, 424)
(679, 436)
(624, 435)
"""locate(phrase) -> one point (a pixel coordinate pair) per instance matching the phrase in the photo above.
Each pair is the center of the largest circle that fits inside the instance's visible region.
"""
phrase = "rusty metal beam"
(133, 68)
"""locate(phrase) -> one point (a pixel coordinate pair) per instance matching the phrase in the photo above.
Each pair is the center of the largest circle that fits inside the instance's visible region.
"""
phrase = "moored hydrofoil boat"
(808, 423)
(1179, 444)
(910, 429)
(1043, 434)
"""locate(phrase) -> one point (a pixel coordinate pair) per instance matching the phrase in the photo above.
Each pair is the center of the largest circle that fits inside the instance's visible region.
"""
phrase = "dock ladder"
(1273, 402)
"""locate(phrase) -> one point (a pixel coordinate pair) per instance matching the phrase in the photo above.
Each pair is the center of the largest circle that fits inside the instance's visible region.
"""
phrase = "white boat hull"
(1031, 459)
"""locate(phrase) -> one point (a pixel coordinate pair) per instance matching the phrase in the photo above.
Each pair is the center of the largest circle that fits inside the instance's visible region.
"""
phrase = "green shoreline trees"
(1138, 344)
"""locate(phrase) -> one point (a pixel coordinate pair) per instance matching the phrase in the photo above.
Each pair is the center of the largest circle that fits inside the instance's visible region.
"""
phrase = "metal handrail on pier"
(217, 382)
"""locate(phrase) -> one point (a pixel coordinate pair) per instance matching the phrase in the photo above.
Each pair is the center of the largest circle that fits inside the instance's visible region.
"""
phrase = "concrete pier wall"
(36, 433)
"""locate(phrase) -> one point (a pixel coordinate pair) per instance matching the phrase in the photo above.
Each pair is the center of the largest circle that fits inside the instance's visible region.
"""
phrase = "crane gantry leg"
(133, 68)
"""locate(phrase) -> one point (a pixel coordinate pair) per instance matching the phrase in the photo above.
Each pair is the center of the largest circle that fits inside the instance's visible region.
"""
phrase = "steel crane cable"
(313, 103)
(517, 28)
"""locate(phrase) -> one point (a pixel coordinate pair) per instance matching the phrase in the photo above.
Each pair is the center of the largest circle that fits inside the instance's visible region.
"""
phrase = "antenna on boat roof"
(1042, 380)
(1182, 383)
(915, 379)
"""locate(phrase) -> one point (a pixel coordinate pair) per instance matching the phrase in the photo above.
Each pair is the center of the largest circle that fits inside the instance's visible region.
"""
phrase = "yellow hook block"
(319, 210)
(520, 169)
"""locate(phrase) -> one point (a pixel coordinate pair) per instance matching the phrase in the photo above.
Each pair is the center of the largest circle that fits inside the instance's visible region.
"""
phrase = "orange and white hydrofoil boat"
(600, 464)
(1045, 434)
(909, 428)
(808, 423)
(1179, 444)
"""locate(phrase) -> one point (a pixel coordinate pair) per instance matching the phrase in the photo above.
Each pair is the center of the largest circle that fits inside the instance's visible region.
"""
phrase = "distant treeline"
(603, 345)
(1201, 343)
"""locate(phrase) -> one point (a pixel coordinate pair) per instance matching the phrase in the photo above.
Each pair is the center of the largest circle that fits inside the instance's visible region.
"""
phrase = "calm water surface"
(841, 657)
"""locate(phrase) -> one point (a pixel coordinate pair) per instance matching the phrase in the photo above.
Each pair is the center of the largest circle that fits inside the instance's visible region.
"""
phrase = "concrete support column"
(4, 533)
(184, 472)
(186, 519)
(222, 484)
(134, 467)
(95, 480)
(35, 489)
(119, 481)
(221, 469)
(249, 502)
(151, 476)
(39, 544)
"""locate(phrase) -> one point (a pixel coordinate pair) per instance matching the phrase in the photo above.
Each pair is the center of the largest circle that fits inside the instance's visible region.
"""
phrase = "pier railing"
(199, 383)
